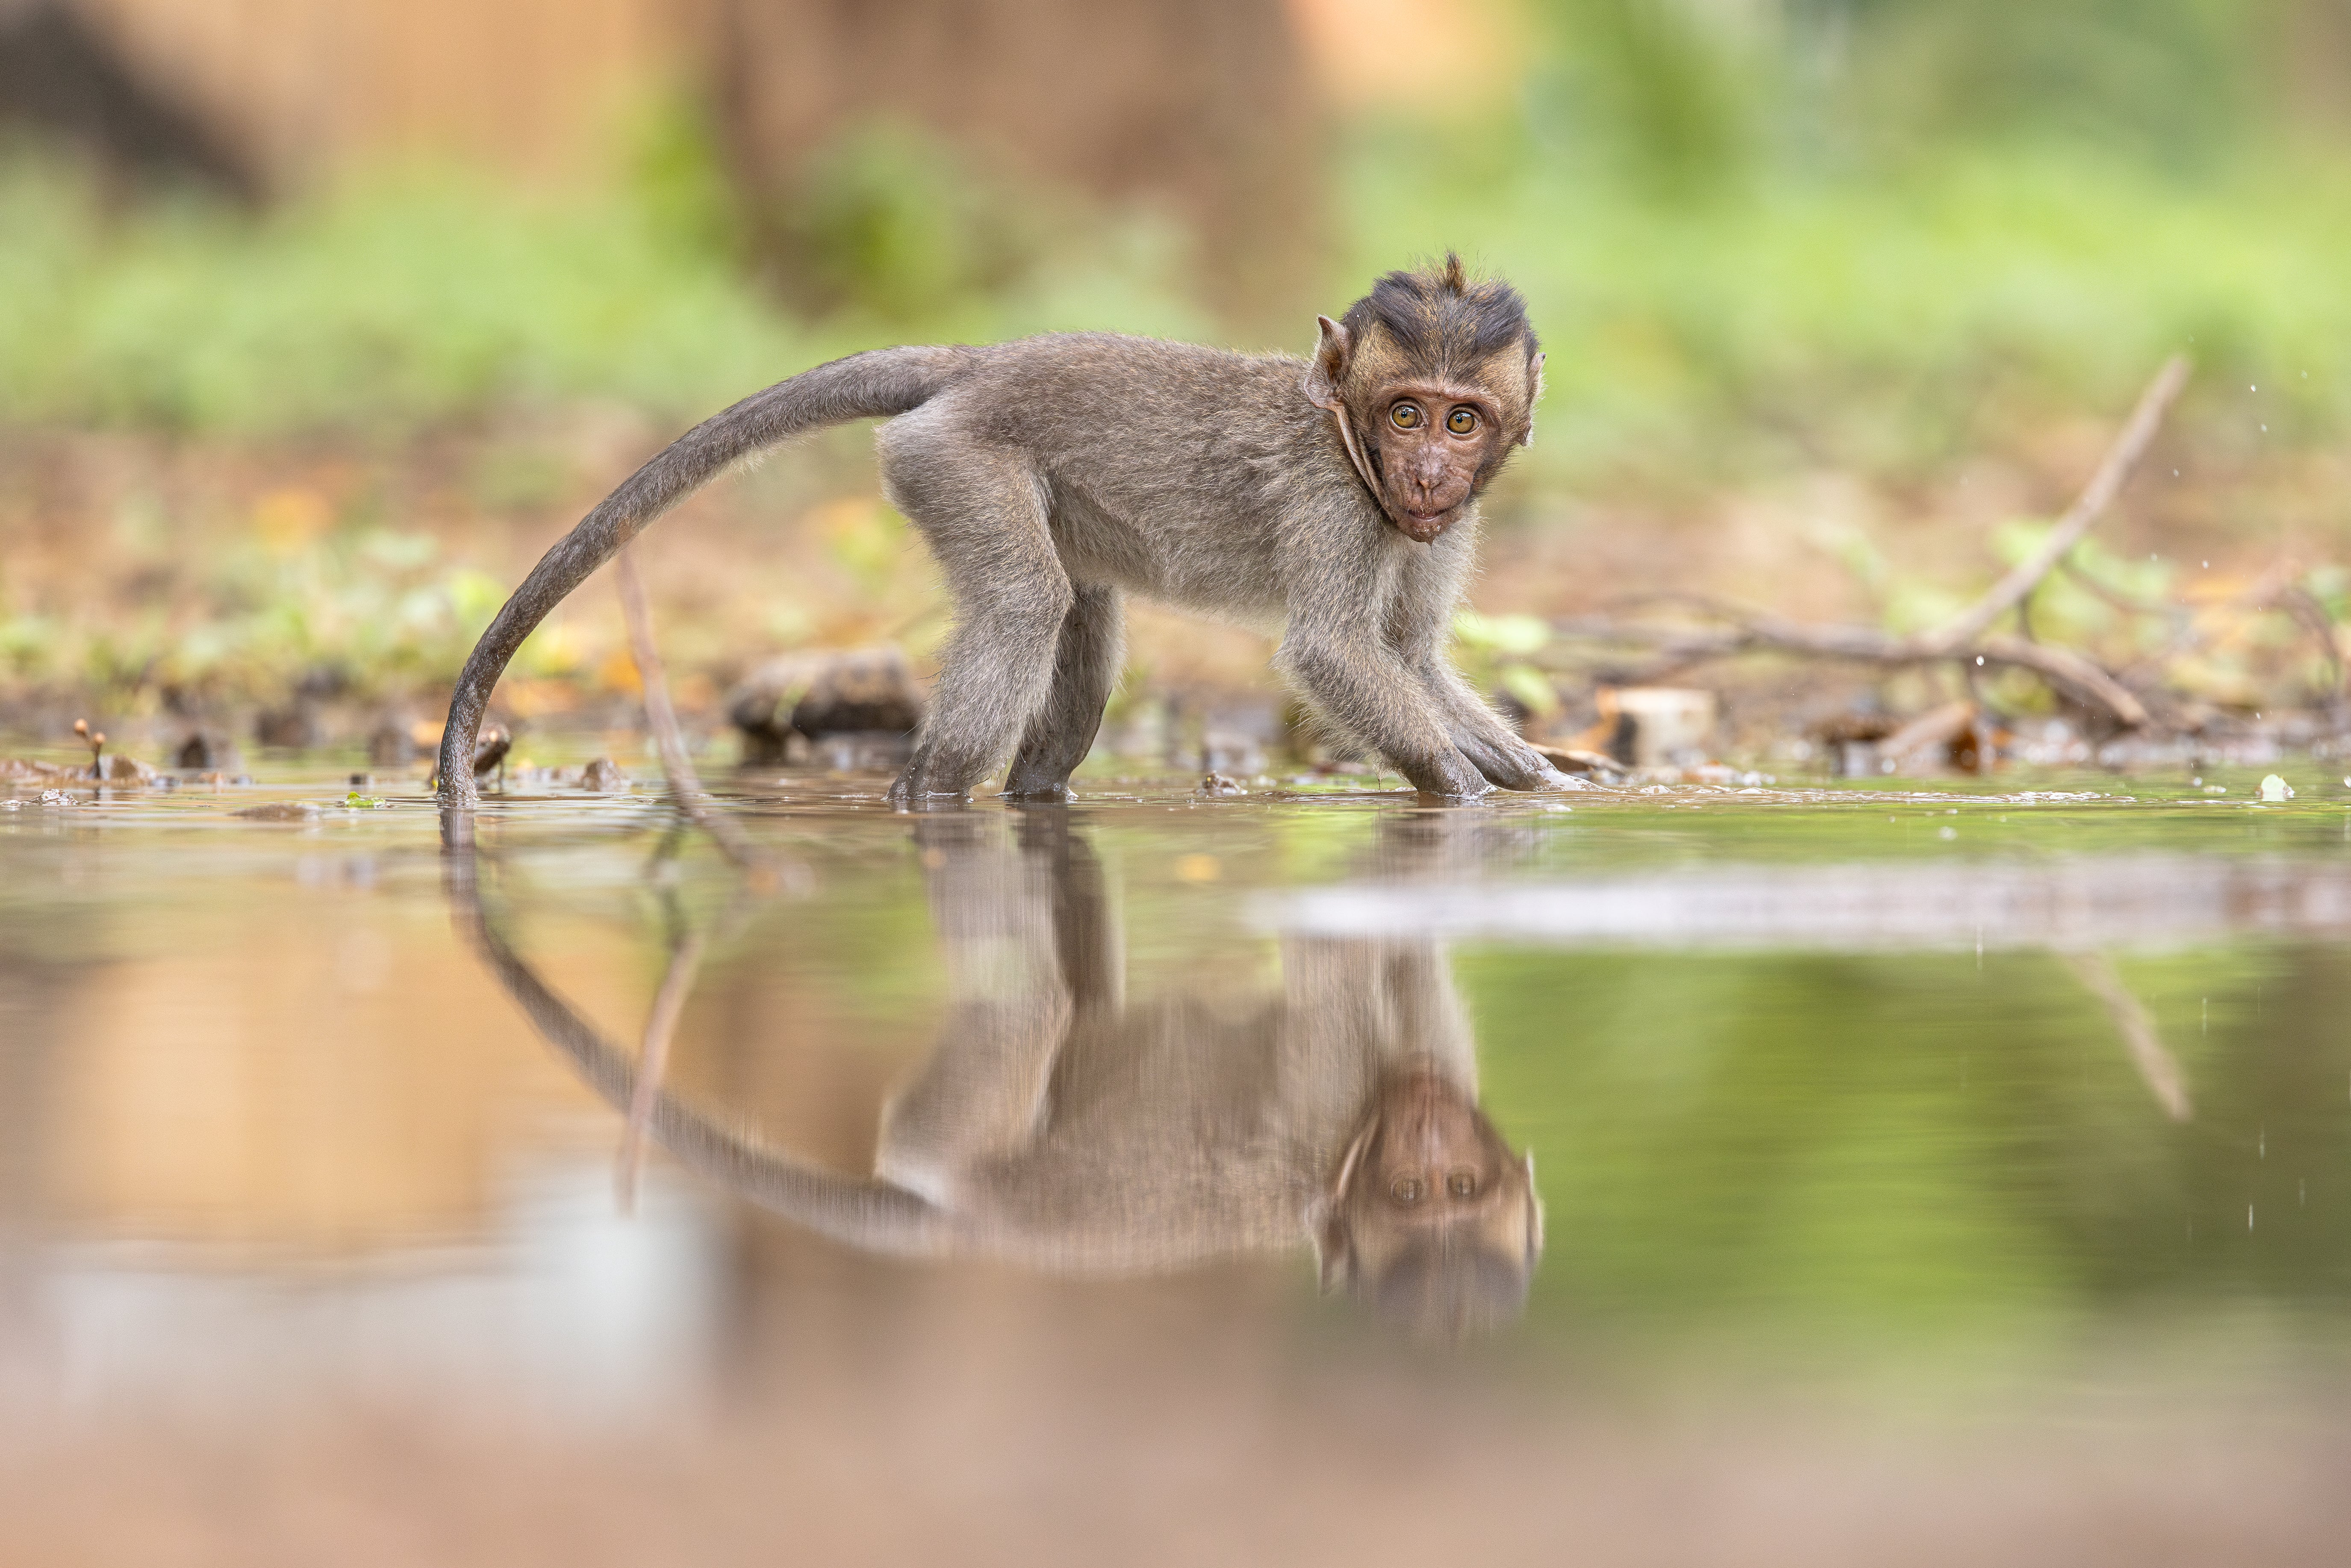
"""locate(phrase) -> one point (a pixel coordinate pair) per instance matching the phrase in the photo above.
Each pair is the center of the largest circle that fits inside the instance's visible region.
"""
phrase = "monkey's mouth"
(1423, 526)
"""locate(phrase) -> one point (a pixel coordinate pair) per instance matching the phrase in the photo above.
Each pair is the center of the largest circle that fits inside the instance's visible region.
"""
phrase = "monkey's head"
(1431, 1217)
(1434, 378)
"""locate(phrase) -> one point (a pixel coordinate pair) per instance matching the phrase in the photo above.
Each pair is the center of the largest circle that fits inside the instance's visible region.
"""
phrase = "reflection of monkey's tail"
(865, 1213)
(864, 386)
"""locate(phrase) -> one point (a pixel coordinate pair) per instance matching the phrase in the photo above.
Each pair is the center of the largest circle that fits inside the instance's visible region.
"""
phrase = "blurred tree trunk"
(300, 89)
(1203, 107)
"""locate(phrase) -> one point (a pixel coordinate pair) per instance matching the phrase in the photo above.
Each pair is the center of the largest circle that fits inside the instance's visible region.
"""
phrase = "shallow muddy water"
(1925, 1176)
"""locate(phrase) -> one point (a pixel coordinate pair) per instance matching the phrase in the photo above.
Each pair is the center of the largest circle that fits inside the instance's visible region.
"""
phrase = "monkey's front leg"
(1422, 618)
(1497, 752)
(1358, 683)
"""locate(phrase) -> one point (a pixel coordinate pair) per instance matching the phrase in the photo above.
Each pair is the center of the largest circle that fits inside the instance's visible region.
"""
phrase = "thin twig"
(2157, 1068)
(685, 784)
(2096, 496)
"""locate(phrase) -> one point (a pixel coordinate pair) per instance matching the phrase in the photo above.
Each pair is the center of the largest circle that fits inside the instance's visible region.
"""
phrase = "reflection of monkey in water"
(1055, 1125)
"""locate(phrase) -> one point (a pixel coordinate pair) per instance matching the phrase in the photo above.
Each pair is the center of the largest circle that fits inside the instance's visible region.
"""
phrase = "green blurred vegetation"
(1852, 231)
(1873, 325)
(372, 612)
(1823, 228)
(383, 308)
(425, 297)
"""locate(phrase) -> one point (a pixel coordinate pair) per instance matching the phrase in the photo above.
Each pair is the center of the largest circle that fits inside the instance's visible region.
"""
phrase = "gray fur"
(1051, 476)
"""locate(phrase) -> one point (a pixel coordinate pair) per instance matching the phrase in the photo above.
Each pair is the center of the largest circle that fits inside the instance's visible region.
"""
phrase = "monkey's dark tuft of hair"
(1443, 318)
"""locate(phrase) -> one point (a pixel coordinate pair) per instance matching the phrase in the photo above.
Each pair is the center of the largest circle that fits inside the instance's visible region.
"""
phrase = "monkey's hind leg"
(983, 512)
(1085, 667)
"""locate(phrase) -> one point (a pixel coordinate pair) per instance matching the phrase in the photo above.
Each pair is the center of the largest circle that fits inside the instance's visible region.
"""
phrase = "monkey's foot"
(926, 779)
(1040, 794)
(911, 790)
(928, 802)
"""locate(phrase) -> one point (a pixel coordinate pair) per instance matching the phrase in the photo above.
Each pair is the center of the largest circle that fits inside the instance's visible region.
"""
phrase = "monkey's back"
(1165, 468)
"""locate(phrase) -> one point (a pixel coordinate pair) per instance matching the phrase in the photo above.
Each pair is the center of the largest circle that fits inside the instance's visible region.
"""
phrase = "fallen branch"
(686, 785)
(1755, 632)
(1966, 639)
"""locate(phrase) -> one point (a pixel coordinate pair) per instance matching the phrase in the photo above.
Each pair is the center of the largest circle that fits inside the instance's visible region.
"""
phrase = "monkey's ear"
(1330, 367)
(1534, 396)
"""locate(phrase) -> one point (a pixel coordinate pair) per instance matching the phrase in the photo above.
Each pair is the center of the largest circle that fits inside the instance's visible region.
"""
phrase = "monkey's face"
(1431, 1214)
(1433, 444)
(1425, 430)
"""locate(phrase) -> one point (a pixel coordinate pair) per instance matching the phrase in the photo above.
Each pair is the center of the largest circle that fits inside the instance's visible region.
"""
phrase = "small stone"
(605, 776)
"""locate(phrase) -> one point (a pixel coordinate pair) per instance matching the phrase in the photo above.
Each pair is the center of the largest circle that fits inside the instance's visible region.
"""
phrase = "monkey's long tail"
(864, 1213)
(873, 385)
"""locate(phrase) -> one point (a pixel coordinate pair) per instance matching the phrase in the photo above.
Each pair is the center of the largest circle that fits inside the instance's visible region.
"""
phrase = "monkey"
(1334, 498)
(1057, 1125)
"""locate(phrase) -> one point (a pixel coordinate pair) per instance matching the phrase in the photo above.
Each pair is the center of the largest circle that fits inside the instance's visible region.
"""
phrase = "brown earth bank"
(160, 587)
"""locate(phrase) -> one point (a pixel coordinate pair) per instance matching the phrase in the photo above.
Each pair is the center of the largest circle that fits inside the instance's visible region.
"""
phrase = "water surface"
(1924, 1176)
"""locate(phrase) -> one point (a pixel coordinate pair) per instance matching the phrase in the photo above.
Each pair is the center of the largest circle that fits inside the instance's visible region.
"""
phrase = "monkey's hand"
(1512, 763)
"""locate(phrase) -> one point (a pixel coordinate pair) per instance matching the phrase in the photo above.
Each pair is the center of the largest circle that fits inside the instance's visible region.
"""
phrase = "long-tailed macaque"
(1057, 1125)
(1335, 497)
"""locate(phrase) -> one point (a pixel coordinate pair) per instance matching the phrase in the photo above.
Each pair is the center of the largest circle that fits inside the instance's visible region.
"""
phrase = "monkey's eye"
(1407, 1189)
(1462, 1184)
(1461, 421)
(1405, 416)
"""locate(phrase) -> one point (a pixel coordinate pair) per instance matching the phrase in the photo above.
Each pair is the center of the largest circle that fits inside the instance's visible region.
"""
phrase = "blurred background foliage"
(1760, 236)
(1716, 204)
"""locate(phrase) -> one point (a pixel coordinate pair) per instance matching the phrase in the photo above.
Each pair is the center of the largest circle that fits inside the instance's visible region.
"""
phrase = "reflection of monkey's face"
(1430, 1214)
